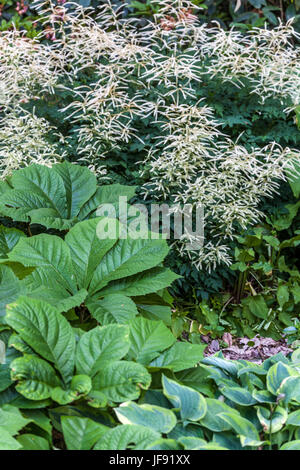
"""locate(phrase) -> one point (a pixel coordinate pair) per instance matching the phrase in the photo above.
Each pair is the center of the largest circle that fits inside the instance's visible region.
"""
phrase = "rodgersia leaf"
(10, 288)
(81, 433)
(80, 386)
(36, 378)
(120, 437)
(113, 308)
(46, 331)
(9, 237)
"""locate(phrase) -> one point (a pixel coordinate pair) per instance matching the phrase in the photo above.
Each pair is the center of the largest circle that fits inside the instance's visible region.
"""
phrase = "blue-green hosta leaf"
(7, 442)
(164, 444)
(190, 403)
(223, 364)
(33, 442)
(122, 381)
(144, 283)
(127, 436)
(87, 250)
(276, 374)
(292, 445)
(294, 418)
(9, 237)
(126, 258)
(263, 396)
(80, 185)
(148, 338)
(113, 308)
(49, 254)
(157, 418)
(243, 427)
(101, 346)
(10, 288)
(180, 356)
(272, 422)
(238, 395)
(46, 331)
(12, 420)
(194, 443)
(212, 419)
(290, 389)
(81, 433)
(36, 378)
(80, 387)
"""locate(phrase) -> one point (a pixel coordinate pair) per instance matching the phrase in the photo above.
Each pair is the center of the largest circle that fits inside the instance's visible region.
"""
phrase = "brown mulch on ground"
(257, 349)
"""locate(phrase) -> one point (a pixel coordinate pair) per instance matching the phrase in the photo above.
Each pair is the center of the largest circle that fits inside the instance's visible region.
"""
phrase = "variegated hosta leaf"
(127, 436)
(157, 418)
(101, 346)
(46, 331)
(190, 403)
(36, 378)
(122, 380)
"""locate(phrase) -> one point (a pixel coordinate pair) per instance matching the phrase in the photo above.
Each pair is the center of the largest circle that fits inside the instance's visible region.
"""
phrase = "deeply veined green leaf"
(33, 442)
(46, 331)
(121, 437)
(36, 378)
(10, 288)
(80, 387)
(122, 381)
(7, 442)
(81, 433)
(190, 403)
(12, 420)
(113, 308)
(87, 250)
(179, 357)
(148, 338)
(157, 418)
(9, 237)
(49, 254)
(101, 346)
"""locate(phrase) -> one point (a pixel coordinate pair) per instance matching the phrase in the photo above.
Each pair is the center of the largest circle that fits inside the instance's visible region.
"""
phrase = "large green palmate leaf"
(101, 346)
(56, 197)
(122, 380)
(103, 273)
(46, 331)
(127, 436)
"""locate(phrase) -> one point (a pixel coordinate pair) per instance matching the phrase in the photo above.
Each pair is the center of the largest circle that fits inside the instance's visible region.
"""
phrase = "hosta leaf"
(243, 427)
(164, 444)
(36, 378)
(157, 418)
(46, 331)
(126, 258)
(292, 445)
(80, 386)
(212, 419)
(180, 356)
(48, 253)
(87, 250)
(272, 422)
(238, 395)
(101, 346)
(127, 436)
(81, 433)
(294, 418)
(122, 381)
(80, 184)
(290, 389)
(194, 443)
(33, 442)
(114, 308)
(190, 403)
(276, 374)
(148, 338)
